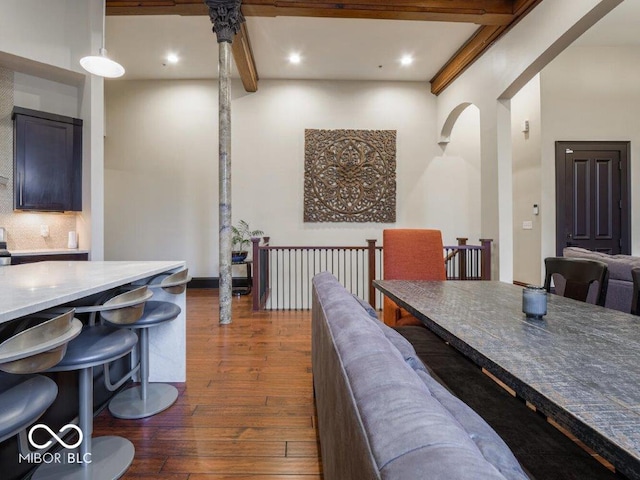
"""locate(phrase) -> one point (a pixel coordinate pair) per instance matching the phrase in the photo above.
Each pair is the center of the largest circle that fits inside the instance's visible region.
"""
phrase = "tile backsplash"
(23, 229)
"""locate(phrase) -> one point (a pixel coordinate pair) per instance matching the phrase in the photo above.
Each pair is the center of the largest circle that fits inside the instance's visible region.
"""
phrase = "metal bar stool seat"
(23, 400)
(31, 344)
(109, 456)
(174, 283)
(125, 307)
(146, 399)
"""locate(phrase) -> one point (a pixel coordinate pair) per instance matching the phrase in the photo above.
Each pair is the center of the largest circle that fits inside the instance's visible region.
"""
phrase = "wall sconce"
(4, 180)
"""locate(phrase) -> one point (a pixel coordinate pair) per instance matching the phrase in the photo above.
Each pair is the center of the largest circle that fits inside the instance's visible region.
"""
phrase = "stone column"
(226, 18)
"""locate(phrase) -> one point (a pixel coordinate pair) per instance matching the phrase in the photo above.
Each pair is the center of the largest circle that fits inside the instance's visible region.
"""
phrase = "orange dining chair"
(410, 254)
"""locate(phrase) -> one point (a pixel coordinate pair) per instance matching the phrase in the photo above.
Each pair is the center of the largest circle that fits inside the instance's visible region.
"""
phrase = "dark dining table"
(579, 364)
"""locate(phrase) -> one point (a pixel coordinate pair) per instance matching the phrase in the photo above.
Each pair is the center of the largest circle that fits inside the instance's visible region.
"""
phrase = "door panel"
(592, 196)
(604, 199)
(581, 207)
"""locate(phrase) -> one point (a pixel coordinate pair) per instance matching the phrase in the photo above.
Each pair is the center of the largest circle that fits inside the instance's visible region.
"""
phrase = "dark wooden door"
(592, 196)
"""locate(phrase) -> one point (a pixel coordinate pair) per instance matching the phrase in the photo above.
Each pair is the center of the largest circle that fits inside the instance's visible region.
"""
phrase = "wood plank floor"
(246, 411)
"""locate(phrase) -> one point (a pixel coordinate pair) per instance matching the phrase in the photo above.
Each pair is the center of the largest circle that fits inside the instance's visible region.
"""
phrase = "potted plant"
(241, 239)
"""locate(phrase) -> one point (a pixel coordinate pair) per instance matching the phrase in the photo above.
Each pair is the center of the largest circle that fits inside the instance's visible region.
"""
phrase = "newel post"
(371, 248)
(462, 255)
(486, 258)
(257, 271)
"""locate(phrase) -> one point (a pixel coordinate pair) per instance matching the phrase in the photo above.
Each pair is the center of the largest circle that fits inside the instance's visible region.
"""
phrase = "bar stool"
(148, 399)
(105, 457)
(34, 348)
(125, 307)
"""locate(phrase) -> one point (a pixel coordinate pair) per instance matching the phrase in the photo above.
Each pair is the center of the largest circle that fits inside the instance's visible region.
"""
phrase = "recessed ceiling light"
(172, 58)
(406, 60)
(295, 58)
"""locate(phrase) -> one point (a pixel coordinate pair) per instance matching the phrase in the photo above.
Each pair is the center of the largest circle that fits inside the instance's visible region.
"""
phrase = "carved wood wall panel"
(350, 176)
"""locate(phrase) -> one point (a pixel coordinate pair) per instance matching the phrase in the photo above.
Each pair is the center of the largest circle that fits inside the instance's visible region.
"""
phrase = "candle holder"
(534, 302)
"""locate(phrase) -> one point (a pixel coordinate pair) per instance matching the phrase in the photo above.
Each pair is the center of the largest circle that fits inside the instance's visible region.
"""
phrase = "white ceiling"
(331, 48)
(353, 49)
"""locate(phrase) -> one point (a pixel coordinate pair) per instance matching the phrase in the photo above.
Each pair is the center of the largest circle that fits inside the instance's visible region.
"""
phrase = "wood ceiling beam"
(482, 12)
(473, 48)
(243, 56)
(496, 17)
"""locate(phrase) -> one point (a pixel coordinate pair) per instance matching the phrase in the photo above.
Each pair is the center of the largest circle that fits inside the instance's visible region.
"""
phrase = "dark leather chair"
(573, 278)
(635, 301)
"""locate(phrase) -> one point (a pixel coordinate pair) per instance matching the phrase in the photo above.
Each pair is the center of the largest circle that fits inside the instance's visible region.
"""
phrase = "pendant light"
(101, 65)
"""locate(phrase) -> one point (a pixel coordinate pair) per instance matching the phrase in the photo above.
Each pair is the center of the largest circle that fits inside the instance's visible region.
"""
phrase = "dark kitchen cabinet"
(47, 161)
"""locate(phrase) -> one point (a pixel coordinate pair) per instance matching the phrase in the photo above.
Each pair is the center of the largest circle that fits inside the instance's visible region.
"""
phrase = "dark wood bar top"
(579, 364)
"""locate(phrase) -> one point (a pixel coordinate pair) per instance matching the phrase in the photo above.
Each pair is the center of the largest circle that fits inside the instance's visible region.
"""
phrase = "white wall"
(491, 82)
(452, 181)
(161, 188)
(41, 42)
(590, 93)
(46, 95)
(527, 259)
(54, 33)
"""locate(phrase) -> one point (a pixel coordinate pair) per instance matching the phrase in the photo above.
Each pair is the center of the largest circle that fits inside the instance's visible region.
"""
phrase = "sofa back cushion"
(409, 432)
(619, 265)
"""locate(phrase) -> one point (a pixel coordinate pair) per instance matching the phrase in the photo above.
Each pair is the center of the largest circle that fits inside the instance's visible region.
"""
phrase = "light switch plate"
(527, 225)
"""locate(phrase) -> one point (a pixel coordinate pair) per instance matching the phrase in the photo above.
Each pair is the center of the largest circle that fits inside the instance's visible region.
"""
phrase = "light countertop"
(46, 251)
(32, 287)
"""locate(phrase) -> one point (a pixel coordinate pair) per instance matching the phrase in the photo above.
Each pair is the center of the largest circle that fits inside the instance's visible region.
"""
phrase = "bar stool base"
(128, 404)
(110, 459)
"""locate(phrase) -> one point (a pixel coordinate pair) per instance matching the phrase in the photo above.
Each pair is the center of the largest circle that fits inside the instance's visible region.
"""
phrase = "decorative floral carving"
(350, 176)
(226, 18)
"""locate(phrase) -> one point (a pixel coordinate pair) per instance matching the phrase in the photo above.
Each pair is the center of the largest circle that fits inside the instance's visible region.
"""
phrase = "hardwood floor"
(246, 411)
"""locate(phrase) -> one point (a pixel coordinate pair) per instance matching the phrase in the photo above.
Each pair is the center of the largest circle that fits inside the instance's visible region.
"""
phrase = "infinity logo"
(52, 433)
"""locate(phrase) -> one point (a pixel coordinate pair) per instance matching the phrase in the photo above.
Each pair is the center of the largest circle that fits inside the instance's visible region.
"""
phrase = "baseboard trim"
(214, 282)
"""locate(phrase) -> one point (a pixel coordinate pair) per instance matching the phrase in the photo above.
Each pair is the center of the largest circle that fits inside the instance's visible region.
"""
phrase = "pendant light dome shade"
(102, 65)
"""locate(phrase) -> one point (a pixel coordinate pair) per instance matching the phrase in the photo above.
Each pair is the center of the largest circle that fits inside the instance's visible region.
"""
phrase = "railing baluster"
(357, 253)
(282, 275)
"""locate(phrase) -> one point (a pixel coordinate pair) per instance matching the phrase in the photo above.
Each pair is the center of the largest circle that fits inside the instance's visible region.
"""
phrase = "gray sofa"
(381, 415)
(620, 286)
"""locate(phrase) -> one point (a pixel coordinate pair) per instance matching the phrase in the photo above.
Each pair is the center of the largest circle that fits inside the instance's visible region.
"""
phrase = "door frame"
(624, 147)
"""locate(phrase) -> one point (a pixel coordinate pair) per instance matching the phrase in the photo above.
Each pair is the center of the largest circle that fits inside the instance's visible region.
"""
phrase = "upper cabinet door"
(47, 161)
